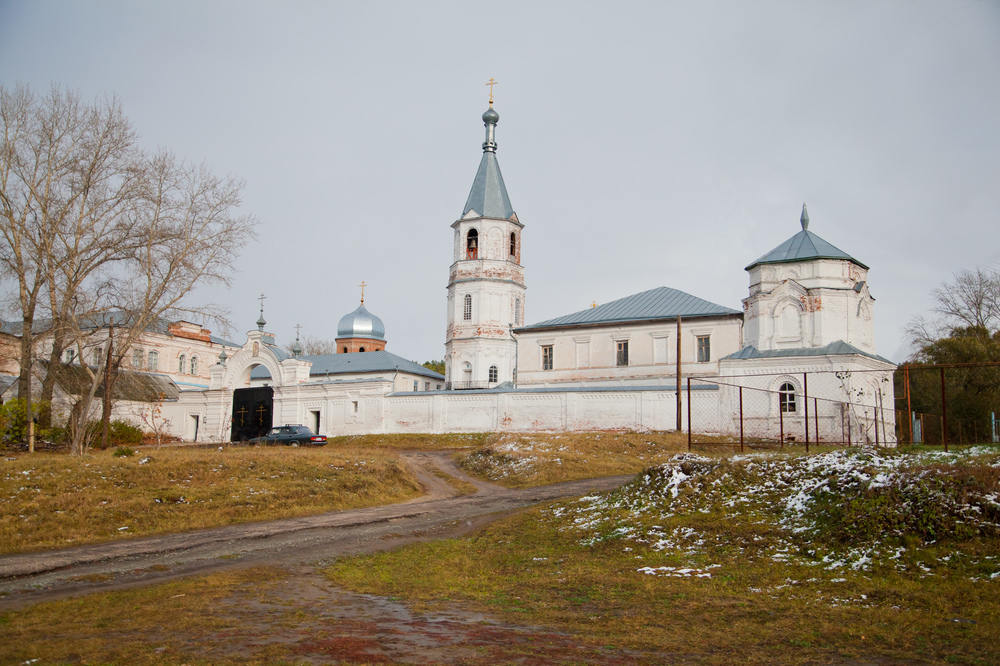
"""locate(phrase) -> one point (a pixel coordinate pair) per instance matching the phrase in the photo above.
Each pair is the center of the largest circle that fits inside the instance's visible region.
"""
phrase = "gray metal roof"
(361, 324)
(803, 246)
(836, 348)
(659, 303)
(488, 197)
(6, 381)
(342, 364)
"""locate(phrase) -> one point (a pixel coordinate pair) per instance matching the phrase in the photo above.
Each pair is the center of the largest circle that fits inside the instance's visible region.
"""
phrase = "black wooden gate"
(251, 412)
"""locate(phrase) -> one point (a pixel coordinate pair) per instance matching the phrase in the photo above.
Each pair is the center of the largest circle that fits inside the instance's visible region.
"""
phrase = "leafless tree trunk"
(106, 230)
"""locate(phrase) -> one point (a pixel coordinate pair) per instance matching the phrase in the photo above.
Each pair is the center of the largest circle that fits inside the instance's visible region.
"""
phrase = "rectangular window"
(704, 349)
(438, 386)
(70, 355)
(622, 353)
(427, 386)
(546, 357)
(467, 311)
(416, 385)
(138, 359)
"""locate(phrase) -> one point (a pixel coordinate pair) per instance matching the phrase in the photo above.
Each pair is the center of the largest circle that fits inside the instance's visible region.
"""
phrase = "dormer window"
(472, 244)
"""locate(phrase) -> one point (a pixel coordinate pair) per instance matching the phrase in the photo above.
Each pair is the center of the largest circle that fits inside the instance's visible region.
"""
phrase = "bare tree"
(314, 346)
(970, 301)
(103, 228)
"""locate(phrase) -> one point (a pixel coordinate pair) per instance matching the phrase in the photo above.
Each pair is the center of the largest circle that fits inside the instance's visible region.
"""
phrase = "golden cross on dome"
(362, 285)
(491, 84)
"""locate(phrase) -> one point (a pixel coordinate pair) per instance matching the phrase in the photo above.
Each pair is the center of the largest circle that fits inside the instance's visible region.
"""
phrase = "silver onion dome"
(361, 324)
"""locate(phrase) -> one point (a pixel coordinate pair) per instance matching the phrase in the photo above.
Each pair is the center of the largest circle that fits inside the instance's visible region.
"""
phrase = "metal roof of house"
(6, 381)
(129, 385)
(102, 320)
(803, 246)
(342, 364)
(836, 348)
(659, 303)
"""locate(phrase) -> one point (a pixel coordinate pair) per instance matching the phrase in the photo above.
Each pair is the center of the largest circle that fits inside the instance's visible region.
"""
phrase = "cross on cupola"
(261, 322)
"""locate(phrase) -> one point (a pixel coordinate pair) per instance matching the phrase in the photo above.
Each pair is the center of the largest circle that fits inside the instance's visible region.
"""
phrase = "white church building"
(612, 366)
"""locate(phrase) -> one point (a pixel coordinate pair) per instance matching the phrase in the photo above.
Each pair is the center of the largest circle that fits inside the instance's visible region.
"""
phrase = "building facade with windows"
(629, 341)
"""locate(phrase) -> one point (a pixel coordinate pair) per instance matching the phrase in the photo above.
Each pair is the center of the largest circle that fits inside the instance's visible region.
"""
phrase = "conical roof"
(361, 324)
(488, 197)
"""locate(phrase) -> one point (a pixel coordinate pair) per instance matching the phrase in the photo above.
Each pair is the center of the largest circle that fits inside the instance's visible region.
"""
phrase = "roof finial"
(297, 348)
(805, 218)
(491, 84)
(362, 285)
(260, 321)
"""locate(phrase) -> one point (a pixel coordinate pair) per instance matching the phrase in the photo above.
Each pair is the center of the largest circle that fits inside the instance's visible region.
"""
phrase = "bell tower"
(486, 280)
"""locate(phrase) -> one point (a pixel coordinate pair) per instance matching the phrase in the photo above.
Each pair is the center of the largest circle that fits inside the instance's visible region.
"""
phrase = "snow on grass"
(851, 510)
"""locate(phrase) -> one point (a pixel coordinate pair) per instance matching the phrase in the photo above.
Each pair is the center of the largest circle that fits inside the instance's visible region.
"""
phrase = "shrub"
(122, 452)
(123, 433)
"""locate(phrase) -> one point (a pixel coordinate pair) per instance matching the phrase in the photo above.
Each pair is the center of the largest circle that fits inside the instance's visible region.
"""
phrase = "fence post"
(909, 408)
(816, 417)
(781, 425)
(741, 419)
(689, 413)
(944, 414)
(875, 412)
(805, 396)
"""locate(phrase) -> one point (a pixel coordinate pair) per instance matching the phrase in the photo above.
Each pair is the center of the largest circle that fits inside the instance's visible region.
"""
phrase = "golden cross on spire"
(362, 285)
(491, 84)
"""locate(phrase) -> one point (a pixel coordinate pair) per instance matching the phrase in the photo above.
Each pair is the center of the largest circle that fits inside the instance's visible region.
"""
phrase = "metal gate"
(252, 409)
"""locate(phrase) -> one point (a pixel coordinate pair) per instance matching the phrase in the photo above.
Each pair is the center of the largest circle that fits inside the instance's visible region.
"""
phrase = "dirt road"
(441, 513)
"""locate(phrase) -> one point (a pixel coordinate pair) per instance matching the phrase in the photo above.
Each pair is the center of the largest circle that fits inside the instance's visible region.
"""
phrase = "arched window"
(345, 350)
(138, 357)
(493, 374)
(513, 245)
(467, 311)
(361, 349)
(517, 312)
(467, 371)
(194, 365)
(181, 363)
(786, 398)
(154, 360)
(472, 244)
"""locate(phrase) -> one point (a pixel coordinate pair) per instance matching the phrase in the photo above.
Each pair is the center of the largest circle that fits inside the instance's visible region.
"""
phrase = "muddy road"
(440, 513)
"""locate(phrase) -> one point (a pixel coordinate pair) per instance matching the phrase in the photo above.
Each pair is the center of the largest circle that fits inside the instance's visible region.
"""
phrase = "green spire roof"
(803, 246)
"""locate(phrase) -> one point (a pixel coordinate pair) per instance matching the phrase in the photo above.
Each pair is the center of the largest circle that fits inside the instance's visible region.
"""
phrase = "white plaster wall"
(588, 356)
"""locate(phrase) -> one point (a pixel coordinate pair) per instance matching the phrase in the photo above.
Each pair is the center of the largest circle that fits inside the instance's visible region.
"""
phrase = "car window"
(274, 431)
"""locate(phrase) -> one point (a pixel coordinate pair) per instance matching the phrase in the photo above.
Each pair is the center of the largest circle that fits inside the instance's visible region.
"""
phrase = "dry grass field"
(52, 500)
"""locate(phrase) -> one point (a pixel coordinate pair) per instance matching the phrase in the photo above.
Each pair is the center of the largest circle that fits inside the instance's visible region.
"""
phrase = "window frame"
(494, 374)
(467, 308)
(705, 357)
(181, 364)
(153, 360)
(788, 398)
(621, 354)
(548, 357)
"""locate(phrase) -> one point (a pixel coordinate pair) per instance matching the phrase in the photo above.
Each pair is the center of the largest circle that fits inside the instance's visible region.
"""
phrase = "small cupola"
(360, 330)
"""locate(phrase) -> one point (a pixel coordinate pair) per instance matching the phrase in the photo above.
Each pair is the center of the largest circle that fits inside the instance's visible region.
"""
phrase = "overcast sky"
(643, 144)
